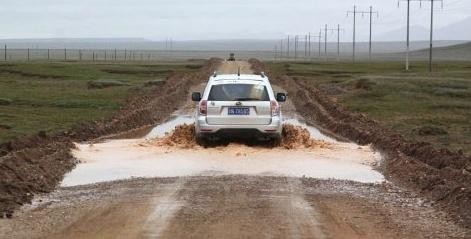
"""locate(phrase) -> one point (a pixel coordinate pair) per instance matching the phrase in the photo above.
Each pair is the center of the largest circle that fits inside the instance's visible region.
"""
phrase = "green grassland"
(433, 107)
(46, 96)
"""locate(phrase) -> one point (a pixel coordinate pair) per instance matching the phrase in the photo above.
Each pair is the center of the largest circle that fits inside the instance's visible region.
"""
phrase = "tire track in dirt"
(36, 164)
(232, 67)
(163, 209)
(438, 173)
(244, 207)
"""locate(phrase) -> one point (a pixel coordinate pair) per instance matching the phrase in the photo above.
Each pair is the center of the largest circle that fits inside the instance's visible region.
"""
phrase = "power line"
(355, 12)
(371, 29)
(432, 3)
(287, 48)
(281, 48)
(338, 39)
(319, 37)
(354, 28)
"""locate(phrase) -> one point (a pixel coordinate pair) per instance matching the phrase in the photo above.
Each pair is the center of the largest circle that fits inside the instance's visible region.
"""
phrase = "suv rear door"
(239, 104)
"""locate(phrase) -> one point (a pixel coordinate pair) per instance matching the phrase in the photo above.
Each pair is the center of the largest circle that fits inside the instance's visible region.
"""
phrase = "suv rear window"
(238, 92)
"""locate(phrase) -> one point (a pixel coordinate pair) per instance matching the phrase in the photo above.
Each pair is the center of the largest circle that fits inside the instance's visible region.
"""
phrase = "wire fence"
(34, 54)
(127, 55)
(118, 55)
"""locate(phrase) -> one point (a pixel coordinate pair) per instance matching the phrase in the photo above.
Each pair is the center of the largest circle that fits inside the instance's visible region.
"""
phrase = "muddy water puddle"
(124, 159)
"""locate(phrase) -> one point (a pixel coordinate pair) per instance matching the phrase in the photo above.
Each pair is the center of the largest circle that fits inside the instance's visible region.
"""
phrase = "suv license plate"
(239, 111)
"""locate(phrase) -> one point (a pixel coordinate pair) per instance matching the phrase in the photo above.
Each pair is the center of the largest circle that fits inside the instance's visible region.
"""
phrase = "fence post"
(28, 54)
(115, 55)
(93, 56)
(80, 54)
(5, 52)
(48, 55)
(65, 54)
(125, 54)
(105, 55)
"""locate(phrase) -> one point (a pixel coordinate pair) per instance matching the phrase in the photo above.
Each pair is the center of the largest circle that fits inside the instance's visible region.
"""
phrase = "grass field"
(433, 107)
(55, 96)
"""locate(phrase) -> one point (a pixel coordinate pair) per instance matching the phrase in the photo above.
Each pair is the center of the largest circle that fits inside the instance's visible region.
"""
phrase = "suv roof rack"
(262, 74)
(215, 74)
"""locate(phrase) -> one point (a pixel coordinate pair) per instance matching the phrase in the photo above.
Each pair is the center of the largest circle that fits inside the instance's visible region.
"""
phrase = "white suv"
(238, 105)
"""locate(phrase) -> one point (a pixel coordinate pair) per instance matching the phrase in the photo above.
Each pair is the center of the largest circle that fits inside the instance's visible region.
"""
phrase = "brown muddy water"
(146, 157)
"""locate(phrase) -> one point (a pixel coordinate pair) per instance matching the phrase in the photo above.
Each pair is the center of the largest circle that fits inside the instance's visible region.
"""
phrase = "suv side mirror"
(196, 96)
(281, 97)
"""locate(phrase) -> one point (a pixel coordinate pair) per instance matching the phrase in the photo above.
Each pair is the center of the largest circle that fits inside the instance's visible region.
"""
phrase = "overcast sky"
(208, 19)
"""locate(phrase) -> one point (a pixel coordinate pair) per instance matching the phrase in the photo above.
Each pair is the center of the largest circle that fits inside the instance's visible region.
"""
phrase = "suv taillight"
(203, 107)
(275, 109)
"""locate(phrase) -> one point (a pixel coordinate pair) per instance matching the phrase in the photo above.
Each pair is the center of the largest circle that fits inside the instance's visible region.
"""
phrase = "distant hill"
(455, 31)
(455, 52)
(226, 45)
(418, 33)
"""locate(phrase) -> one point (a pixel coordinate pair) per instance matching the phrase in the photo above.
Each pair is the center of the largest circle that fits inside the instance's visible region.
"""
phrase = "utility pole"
(354, 28)
(309, 44)
(287, 48)
(338, 42)
(431, 35)
(320, 39)
(338, 39)
(408, 30)
(281, 48)
(371, 29)
(408, 35)
(305, 46)
(325, 42)
(275, 50)
(355, 12)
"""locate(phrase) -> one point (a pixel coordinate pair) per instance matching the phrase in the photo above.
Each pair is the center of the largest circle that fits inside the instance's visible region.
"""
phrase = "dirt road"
(231, 191)
(232, 67)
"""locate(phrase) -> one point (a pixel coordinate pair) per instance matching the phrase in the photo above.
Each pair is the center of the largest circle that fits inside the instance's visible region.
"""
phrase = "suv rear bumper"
(272, 130)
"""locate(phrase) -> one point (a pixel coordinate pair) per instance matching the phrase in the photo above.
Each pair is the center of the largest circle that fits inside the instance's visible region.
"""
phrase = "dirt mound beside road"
(37, 164)
(34, 169)
(438, 173)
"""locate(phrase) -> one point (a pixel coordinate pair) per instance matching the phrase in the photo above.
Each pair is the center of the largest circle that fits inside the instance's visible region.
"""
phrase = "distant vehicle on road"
(240, 106)
(231, 57)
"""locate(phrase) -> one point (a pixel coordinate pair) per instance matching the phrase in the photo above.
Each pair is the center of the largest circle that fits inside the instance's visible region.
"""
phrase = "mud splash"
(298, 137)
(293, 137)
(183, 136)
